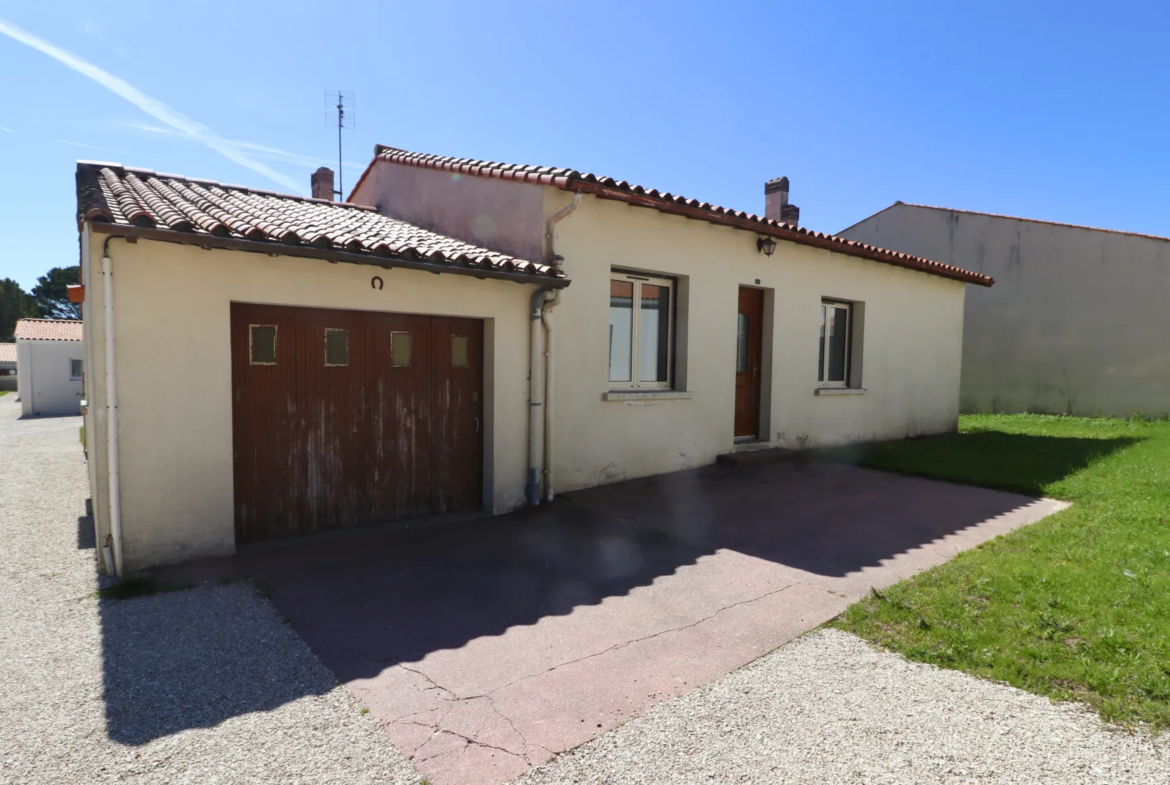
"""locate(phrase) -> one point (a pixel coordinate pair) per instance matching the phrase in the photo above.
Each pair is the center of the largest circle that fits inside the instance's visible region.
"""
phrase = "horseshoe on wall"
(376, 282)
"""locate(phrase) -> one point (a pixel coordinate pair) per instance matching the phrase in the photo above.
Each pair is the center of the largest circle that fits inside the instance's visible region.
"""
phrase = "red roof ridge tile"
(608, 187)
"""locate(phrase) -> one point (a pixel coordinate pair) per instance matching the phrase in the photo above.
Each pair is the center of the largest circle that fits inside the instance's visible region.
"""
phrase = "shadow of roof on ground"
(366, 603)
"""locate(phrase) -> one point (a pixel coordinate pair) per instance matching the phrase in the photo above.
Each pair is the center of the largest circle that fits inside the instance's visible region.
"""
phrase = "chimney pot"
(322, 183)
(776, 206)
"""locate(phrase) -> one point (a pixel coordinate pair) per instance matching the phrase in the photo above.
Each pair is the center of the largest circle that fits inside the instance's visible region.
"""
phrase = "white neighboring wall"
(44, 379)
(1075, 324)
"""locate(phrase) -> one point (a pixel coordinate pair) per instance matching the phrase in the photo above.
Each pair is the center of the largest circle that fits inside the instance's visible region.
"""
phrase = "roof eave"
(781, 233)
(329, 255)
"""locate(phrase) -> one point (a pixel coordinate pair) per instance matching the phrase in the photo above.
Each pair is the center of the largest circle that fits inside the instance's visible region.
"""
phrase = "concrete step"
(756, 457)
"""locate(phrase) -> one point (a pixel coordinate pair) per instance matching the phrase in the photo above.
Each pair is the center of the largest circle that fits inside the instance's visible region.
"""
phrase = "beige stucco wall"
(912, 340)
(174, 377)
(43, 382)
(502, 215)
(1076, 321)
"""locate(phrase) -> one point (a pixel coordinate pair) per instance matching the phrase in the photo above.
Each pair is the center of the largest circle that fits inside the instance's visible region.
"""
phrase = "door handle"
(476, 424)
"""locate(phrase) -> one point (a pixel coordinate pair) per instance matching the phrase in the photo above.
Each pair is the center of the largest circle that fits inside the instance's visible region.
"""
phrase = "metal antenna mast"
(340, 111)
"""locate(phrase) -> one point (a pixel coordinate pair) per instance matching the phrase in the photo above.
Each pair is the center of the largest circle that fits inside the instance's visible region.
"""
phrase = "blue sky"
(1053, 110)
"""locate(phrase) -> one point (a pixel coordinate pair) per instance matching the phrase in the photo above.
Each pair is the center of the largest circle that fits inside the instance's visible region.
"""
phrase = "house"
(50, 358)
(7, 359)
(465, 337)
(1076, 323)
(8, 367)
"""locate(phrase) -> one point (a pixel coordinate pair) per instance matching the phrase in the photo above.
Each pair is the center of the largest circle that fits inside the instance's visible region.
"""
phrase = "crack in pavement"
(451, 697)
(624, 644)
(434, 684)
(435, 731)
(523, 739)
(437, 725)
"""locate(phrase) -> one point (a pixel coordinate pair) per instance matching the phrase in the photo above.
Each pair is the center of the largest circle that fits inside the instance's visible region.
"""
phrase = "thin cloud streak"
(151, 106)
(7, 130)
(264, 151)
(94, 147)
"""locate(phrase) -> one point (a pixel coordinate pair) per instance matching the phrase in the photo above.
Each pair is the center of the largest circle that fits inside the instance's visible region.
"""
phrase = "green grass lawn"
(1077, 606)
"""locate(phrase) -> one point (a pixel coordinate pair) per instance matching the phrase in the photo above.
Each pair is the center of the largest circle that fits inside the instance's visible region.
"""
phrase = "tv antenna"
(340, 112)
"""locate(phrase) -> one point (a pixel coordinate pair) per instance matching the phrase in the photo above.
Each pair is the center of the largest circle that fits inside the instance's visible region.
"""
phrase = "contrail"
(6, 130)
(152, 106)
(264, 150)
(94, 147)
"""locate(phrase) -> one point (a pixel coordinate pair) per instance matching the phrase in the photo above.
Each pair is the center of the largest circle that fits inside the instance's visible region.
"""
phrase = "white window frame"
(638, 279)
(823, 363)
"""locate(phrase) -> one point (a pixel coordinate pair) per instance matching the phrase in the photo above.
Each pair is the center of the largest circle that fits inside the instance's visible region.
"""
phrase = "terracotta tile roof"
(1017, 218)
(48, 330)
(609, 188)
(211, 213)
(7, 352)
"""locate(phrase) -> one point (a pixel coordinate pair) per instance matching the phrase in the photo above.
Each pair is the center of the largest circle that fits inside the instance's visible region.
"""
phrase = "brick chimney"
(776, 204)
(322, 182)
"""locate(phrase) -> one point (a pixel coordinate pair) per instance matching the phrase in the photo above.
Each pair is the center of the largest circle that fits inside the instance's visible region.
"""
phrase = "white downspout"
(546, 316)
(535, 396)
(111, 412)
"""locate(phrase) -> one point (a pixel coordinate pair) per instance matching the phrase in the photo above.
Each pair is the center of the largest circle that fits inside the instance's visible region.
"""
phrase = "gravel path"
(828, 708)
(199, 686)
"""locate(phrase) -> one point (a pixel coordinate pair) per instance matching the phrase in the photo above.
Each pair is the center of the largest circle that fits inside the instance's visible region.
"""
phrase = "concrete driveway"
(486, 647)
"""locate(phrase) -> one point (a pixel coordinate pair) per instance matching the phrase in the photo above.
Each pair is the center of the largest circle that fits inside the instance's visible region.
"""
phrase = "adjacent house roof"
(48, 330)
(7, 352)
(1011, 218)
(139, 202)
(609, 188)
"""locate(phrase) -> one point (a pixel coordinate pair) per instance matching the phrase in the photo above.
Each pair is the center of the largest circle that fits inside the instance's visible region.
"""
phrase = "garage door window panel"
(459, 358)
(262, 344)
(401, 349)
(336, 347)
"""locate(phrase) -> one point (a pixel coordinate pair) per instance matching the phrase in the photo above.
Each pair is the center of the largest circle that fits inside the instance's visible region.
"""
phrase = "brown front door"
(749, 338)
(343, 418)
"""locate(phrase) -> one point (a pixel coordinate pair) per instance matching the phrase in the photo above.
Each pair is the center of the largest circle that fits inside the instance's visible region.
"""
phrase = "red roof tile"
(48, 330)
(609, 188)
(7, 352)
(206, 212)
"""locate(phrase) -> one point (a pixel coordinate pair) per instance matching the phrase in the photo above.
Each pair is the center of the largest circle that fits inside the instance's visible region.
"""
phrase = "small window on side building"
(262, 344)
(75, 370)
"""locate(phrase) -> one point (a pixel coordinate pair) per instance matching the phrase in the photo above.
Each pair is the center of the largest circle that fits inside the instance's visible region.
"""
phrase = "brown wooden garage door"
(344, 418)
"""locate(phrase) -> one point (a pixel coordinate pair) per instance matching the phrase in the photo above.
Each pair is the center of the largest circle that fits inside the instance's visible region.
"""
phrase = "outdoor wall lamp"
(765, 244)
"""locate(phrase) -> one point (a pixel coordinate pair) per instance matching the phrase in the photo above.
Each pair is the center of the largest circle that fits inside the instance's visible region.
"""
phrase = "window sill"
(647, 395)
(839, 391)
